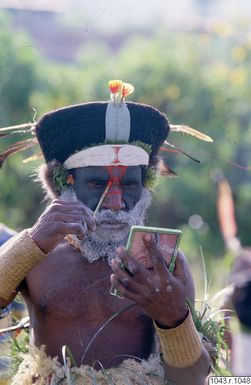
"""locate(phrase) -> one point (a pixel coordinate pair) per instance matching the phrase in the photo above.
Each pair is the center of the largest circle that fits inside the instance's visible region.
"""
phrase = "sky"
(116, 14)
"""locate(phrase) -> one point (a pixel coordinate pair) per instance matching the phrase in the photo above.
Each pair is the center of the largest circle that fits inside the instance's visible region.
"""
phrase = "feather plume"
(25, 127)
(15, 148)
(225, 208)
(190, 131)
(127, 89)
(164, 170)
(176, 149)
(115, 86)
(34, 157)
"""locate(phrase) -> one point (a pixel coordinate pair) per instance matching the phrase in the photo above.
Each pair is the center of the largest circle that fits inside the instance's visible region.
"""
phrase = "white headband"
(108, 155)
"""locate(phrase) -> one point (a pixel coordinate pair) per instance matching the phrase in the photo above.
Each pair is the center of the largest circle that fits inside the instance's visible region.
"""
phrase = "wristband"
(181, 346)
(17, 257)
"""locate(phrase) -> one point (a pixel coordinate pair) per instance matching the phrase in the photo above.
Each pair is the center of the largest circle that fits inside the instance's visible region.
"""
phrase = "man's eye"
(96, 183)
(130, 183)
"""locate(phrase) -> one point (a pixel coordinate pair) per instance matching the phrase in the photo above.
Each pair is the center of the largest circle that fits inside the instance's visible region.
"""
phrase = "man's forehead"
(101, 171)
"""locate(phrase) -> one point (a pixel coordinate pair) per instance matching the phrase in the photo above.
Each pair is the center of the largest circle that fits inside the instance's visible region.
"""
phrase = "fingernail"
(148, 237)
(113, 263)
(119, 249)
(132, 267)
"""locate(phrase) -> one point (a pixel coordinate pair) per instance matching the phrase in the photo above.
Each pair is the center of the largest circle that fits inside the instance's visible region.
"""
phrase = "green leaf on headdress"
(145, 146)
(60, 177)
(151, 179)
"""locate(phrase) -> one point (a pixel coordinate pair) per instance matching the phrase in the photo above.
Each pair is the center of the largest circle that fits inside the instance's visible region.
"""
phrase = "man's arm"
(162, 296)
(5, 234)
(24, 251)
(17, 257)
(196, 373)
(191, 375)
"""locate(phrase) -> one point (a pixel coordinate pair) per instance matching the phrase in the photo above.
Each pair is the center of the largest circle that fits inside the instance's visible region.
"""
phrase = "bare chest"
(67, 286)
(70, 300)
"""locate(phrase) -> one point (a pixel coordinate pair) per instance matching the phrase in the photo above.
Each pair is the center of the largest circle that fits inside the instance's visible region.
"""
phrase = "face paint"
(113, 199)
(91, 182)
(109, 184)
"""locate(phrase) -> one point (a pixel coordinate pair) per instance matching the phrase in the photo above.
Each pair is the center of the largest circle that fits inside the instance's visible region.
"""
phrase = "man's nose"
(113, 199)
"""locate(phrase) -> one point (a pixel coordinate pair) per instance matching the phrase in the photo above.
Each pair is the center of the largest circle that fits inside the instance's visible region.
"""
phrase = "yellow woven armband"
(17, 256)
(181, 346)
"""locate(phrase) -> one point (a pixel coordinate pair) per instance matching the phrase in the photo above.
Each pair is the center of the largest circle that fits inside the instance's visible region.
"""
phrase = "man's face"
(124, 193)
(125, 204)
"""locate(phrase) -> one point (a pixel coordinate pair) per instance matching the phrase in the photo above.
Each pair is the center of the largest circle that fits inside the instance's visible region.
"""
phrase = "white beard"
(103, 242)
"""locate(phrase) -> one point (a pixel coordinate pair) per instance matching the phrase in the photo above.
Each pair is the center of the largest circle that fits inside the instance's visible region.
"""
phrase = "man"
(65, 264)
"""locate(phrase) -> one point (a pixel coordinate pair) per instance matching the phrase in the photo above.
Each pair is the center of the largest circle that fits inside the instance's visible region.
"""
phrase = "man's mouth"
(112, 225)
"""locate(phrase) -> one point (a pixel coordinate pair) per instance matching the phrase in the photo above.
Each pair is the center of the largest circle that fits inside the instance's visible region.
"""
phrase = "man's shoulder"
(63, 248)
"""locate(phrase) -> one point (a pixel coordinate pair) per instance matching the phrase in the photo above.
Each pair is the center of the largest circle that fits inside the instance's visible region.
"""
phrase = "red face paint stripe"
(113, 193)
(116, 173)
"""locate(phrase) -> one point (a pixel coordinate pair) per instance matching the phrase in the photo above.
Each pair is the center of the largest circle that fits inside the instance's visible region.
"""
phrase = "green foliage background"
(198, 78)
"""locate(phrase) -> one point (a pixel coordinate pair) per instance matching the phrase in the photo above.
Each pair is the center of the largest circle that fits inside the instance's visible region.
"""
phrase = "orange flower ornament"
(120, 90)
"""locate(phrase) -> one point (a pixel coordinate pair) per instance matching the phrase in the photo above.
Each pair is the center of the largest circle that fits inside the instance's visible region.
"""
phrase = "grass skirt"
(39, 369)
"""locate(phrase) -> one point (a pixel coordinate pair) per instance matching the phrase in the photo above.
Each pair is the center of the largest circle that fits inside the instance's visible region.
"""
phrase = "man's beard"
(103, 242)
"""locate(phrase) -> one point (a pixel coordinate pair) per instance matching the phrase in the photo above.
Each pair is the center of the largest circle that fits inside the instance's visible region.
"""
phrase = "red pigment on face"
(114, 195)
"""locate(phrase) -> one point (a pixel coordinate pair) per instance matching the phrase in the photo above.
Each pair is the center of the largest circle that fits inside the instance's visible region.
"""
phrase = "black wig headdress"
(72, 134)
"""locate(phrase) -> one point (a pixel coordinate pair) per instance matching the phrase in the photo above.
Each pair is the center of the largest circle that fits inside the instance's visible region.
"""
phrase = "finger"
(58, 221)
(140, 277)
(89, 217)
(64, 208)
(120, 267)
(59, 200)
(90, 222)
(130, 283)
(159, 263)
(137, 269)
(126, 277)
(179, 270)
(65, 218)
(69, 204)
(121, 252)
(74, 208)
(72, 228)
(121, 259)
(124, 292)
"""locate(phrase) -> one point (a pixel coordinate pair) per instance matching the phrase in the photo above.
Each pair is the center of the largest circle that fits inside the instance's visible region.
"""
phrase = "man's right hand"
(60, 219)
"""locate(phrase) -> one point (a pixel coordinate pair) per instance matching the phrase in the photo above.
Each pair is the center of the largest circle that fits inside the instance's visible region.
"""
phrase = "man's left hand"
(160, 294)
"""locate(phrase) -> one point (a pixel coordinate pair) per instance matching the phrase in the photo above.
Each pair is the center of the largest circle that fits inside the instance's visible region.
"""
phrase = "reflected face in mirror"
(165, 243)
(139, 251)
(125, 191)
